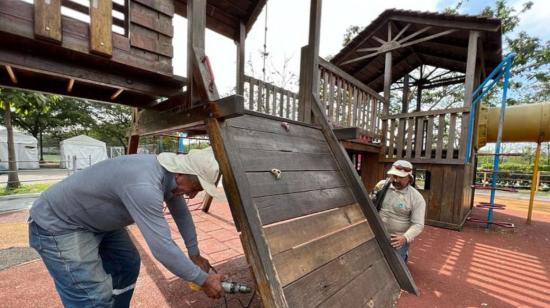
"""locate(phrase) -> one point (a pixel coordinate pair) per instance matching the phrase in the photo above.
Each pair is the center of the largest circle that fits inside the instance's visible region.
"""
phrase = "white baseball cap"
(401, 168)
(201, 163)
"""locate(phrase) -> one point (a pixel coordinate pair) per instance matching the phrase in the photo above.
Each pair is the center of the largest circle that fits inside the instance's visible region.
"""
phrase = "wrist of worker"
(193, 251)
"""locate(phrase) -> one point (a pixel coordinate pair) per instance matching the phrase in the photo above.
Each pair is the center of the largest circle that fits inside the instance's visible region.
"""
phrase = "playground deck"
(472, 268)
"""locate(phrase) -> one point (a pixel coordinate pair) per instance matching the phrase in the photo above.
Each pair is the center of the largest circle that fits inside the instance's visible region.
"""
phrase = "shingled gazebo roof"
(447, 49)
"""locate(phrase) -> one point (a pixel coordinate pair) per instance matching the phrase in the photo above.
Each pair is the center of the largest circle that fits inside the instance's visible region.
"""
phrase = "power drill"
(228, 287)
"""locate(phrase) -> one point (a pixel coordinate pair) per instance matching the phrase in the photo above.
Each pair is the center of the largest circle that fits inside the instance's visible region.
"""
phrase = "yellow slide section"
(522, 123)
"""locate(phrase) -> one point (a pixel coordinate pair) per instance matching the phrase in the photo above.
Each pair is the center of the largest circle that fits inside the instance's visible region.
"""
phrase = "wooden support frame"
(11, 73)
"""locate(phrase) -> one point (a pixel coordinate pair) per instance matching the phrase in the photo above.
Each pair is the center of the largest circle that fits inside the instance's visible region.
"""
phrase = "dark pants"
(89, 269)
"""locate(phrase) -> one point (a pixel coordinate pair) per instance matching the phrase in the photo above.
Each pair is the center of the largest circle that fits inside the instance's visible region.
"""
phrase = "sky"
(288, 21)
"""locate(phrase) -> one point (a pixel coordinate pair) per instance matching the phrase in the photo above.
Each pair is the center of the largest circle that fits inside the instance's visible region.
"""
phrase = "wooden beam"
(116, 94)
(13, 78)
(470, 68)
(405, 97)
(347, 133)
(196, 25)
(154, 122)
(70, 85)
(309, 84)
(33, 60)
(241, 58)
(415, 34)
(446, 23)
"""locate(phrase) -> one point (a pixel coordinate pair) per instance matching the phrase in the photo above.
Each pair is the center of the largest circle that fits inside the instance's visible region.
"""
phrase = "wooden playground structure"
(281, 153)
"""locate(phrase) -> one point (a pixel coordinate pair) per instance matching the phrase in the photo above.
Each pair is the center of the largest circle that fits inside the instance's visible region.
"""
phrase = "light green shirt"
(402, 212)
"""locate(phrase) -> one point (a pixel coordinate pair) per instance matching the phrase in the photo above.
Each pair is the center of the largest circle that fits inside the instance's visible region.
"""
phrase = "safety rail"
(348, 102)
(267, 98)
(435, 136)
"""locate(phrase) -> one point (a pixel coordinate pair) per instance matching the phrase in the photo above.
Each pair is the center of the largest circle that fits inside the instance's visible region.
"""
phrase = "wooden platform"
(311, 242)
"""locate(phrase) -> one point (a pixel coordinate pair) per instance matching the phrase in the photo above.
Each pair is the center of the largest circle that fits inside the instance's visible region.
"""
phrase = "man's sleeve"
(184, 222)
(417, 218)
(144, 202)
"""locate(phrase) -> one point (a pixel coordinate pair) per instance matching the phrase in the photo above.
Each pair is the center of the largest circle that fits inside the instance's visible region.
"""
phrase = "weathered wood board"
(306, 234)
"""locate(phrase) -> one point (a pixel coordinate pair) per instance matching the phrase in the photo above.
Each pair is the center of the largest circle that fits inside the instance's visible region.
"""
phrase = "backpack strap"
(381, 194)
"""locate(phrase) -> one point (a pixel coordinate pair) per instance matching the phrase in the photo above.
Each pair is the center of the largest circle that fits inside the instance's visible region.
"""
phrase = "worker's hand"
(201, 262)
(212, 287)
(398, 240)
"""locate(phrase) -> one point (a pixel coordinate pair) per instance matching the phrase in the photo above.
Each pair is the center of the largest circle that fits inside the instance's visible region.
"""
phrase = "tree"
(39, 113)
(111, 123)
(13, 178)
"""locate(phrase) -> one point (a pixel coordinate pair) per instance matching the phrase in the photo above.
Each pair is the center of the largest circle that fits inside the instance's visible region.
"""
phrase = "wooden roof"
(447, 48)
(224, 16)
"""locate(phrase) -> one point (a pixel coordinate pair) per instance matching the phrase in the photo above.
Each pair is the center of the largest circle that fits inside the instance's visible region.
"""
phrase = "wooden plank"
(410, 132)
(151, 41)
(165, 7)
(282, 207)
(307, 228)
(459, 194)
(258, 160)
(391, 139)
(440, 132)
(247, 139)
(451, 137)
(263, 124)
(426, 113)
(47, 20)
(299, 261)
(447, 198)
(267, 96)
(400, 138)
(251, 95)
(145, 17)
(266, 184)
(419, 137)
(246, 216)
(101, 20)
(463, 135)
(260, 99)
(372, 288)
(331, 98)
(429, 137)
(314, 288)
(196, 27)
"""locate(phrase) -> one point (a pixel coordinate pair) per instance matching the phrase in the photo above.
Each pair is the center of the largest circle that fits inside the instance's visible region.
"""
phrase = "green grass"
(26, 188)
(52, 157)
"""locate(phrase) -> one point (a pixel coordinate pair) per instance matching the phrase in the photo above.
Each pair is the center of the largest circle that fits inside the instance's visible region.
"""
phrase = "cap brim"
(398, 173)
(212, 190)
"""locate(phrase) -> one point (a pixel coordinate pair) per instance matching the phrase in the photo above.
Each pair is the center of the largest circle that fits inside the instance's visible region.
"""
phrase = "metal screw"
(102, 44)
(47, 28)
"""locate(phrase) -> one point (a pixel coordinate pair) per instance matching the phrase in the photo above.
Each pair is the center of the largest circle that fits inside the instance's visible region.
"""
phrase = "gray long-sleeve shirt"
(115, 193)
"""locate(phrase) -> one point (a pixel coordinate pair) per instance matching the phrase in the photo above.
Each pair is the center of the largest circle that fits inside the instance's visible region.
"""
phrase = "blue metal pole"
(499, 140)
(476, 98)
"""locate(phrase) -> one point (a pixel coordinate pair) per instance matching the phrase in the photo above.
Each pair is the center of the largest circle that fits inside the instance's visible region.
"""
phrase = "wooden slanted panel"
(47, 20)
(101, 19)
(333, 257)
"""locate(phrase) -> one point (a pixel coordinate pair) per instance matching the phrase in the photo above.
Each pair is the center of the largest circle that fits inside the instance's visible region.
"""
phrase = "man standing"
(401, 206)
(78, 225)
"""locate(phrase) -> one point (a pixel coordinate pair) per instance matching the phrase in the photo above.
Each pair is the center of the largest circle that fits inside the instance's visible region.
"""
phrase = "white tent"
(87, 150)
(26, 150)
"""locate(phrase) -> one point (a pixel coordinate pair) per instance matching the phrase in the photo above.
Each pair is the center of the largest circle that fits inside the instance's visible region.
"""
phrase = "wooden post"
(470, 68)
(133, 141)
(241, 59)
(387, 84)
(405, 98)
(419, 90)
(309, 70)
(196, 25)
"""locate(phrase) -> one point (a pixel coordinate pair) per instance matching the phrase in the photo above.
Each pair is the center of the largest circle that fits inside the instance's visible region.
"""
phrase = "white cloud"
(535, 20)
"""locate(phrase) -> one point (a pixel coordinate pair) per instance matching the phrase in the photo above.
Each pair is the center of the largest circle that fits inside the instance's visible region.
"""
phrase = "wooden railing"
(269, 99)
(348, 102)
(436, 136)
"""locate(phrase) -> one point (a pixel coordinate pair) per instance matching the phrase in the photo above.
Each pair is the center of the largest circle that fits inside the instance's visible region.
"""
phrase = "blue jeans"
(403, 251)
(89, 269)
